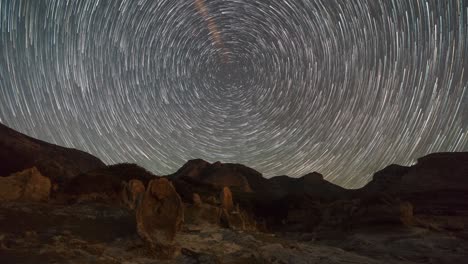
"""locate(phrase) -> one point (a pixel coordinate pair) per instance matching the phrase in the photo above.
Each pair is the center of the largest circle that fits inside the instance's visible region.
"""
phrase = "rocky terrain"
(59, 205)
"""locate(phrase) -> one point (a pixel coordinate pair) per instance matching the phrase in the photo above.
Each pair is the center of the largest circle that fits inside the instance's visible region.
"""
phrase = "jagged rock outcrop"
(436, 185)
(159, 216)
(226, 199)
(221, 214)
(132, 192)
(28, 185)
(19, 152)
(437, 171)
(386, 180)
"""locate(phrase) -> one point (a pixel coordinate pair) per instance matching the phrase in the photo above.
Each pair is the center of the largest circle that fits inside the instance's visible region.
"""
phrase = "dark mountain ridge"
(435, 173)
(19, 152)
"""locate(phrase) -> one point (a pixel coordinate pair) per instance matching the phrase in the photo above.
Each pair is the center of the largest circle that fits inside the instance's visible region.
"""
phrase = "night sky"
(285, 87)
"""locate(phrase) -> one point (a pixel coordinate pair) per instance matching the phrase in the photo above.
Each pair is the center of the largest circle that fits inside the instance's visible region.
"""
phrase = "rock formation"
(27, 185)
(226, 199)
(132, 192)
(197, 200)
(159, 217)
(437, 184)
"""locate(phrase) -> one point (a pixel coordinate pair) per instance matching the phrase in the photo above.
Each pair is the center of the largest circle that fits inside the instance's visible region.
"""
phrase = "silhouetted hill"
(270, 199)
(19, 152)
(387, 179)
(220, 174)
(436, 184)
(244, 179)
(312, 184)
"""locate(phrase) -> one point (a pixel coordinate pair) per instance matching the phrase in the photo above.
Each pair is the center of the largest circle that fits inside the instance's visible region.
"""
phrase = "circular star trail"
(286, 87)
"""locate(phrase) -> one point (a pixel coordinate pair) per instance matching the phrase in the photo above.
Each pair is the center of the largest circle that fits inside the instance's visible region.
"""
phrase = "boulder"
(132, 192)
(226, 199)
(197, 200)
(159, 217)
(27, 185)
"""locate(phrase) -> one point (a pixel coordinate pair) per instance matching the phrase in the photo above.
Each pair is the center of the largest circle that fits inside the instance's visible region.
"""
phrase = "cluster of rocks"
(161, 214)
(28, 185)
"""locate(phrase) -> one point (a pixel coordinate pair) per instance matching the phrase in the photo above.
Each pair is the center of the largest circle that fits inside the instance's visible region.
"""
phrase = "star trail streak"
(286, 87)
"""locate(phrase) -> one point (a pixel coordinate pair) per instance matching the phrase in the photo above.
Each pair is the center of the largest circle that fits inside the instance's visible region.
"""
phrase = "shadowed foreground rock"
(27, 185)
(132, 192)
(197, 200)
(159, 217)
(226, 199)
(361, 213)
(105, 183)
